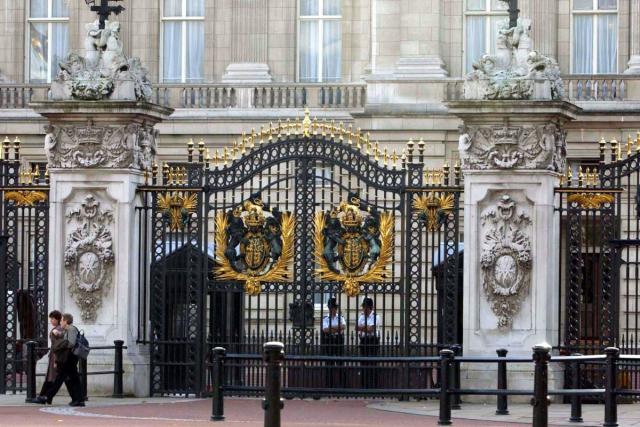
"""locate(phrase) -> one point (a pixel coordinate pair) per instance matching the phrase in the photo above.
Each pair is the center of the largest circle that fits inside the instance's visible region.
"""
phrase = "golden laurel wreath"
(252, 283)
(351, 283)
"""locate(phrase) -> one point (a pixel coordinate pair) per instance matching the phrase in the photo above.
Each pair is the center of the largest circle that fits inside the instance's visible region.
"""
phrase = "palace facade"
(384, 66)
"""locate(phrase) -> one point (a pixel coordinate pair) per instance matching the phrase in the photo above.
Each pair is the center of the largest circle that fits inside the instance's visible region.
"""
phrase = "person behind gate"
(333, 326)
(66, 364)
(368, 329)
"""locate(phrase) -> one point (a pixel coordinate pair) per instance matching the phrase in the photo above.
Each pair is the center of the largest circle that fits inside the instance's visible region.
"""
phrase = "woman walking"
(54, 337)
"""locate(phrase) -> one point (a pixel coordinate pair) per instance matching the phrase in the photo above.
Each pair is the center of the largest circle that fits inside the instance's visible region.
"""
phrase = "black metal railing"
(271, 379)
(117, 372)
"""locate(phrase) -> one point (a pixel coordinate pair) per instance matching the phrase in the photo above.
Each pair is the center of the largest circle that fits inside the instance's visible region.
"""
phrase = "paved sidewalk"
(593, 415)
(131, 412)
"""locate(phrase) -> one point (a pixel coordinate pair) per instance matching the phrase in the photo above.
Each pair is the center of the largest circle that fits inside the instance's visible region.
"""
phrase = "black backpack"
(81, 349)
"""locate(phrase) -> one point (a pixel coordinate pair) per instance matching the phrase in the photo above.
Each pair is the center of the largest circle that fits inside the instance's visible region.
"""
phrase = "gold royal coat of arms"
(353, 246)
(254, 244)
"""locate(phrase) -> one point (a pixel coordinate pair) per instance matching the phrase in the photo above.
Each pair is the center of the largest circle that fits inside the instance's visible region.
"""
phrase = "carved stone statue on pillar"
(515, 71)
(105, 72)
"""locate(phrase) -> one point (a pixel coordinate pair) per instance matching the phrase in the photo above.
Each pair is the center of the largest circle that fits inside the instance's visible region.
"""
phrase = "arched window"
(48, 22)
(594, 37)
(182, 41)
(319, 41)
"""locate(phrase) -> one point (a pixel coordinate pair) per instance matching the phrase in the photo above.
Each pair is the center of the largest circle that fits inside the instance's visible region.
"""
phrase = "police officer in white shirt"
(368, 327)
(333, 326)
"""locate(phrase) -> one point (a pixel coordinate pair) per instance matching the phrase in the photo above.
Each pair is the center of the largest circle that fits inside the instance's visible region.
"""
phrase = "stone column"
(386, 36)
(512, 153)
(420, 40)
(634, 47)
(96, 153)
(249, 43)
(544, 29)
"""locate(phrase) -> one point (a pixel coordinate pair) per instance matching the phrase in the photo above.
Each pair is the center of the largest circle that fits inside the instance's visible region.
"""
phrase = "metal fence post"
(576, 401)
(540, 401)
(118, 369)
(31, 370)
(272, 403)
(502, 403)
(610, 392)
(456, 398)
(217, 409)
(83, 378)
(446, 356)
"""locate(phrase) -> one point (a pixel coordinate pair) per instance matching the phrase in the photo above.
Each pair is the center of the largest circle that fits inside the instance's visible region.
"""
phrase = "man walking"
(66, 364)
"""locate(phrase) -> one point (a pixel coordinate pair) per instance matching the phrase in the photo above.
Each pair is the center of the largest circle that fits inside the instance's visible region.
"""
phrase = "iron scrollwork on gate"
(254, 244)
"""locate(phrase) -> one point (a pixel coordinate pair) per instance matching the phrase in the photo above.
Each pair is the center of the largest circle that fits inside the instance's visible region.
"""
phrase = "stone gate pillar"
(99, 141)
(512, 153)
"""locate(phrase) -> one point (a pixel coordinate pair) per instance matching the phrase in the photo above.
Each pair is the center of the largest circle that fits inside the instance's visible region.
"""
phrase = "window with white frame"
(182, 41)
(48, 22)
(319, 41)
(482, 19)
(595, 36)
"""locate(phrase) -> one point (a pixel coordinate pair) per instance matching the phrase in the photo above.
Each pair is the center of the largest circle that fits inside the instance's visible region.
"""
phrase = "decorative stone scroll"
(513, 147)
(88, 256)
(103, 146)
(506, 259)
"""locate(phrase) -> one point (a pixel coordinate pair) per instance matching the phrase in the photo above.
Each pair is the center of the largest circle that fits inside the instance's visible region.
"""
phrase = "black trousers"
(68, 374)
(369, 347)
(333, 345)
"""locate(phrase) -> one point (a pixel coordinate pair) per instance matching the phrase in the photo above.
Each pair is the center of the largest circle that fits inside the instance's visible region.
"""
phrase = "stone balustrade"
(350, 96)
(590, 89)
(580, 88)
(598, 87)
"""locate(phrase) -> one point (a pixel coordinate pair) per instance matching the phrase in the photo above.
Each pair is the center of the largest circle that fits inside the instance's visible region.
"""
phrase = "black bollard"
(31, 370)
(610, 392)
(217, 408)
(456, 399)
(502, 404)
(446, 358)
(118, 369)
(272, 403)
(576, 401)
(540, 401)
(82, 370)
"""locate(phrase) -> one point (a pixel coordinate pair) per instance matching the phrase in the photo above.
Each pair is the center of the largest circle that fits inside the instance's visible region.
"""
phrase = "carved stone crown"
(506, 136)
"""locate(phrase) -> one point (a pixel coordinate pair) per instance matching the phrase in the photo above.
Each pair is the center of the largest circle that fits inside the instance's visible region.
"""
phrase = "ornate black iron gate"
(600, 209)
(249, 247)
(24, 238)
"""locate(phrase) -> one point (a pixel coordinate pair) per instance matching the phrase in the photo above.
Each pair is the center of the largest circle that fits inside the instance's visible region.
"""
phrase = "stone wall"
(376, 34)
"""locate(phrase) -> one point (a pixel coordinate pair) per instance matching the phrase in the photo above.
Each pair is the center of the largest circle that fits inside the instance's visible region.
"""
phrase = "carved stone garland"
(88, 256)
(506, 259)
